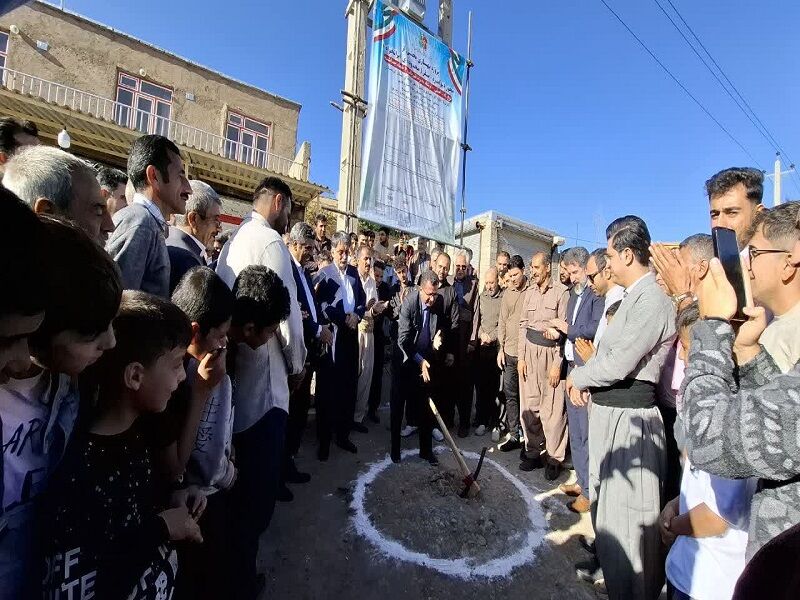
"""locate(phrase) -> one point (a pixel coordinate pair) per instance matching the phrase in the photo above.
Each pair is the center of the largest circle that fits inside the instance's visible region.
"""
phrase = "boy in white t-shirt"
(79, 295)
(707, 524)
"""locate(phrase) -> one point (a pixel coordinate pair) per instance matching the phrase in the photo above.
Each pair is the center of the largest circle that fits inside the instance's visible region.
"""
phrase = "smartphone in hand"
(726, 249)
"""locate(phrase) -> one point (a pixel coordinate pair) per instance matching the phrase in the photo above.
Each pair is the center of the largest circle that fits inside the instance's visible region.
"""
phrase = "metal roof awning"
(105, 140)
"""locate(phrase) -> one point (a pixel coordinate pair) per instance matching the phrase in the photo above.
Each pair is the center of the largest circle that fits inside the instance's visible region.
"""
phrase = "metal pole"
(776, 194)
(464, 145)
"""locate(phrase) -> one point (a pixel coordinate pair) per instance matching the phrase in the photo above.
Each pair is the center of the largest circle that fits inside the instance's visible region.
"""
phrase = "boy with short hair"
(262, 302)
(204, 439)
(108, 532)
(39, 398)
(707, 524)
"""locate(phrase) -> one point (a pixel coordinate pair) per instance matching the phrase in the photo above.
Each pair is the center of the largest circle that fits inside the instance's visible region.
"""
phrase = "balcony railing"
(145, 122)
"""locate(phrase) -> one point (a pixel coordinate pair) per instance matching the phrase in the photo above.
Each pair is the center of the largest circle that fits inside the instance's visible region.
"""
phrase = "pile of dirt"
(418, 505)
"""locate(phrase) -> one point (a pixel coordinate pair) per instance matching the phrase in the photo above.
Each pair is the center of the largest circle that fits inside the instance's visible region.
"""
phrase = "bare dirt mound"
(418, 505)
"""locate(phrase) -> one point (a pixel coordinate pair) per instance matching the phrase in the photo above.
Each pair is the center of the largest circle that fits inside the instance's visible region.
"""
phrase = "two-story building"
(64, 71)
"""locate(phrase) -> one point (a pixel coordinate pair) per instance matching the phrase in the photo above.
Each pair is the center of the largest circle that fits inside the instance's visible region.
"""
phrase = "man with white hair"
(189, 241)
(55, 182)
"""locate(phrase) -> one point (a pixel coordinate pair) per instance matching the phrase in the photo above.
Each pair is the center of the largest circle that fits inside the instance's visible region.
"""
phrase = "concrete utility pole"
(776, 179)
(353, 112)
(446, 21)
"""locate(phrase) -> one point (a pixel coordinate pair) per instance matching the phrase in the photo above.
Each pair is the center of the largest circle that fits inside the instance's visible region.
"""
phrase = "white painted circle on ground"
(463, 568)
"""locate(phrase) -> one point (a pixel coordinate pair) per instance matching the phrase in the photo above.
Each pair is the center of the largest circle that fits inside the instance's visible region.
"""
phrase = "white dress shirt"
(613, 295)
(569, 347)
(262, 376)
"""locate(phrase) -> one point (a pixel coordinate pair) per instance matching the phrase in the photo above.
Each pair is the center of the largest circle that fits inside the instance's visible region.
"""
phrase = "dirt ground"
(313, 551)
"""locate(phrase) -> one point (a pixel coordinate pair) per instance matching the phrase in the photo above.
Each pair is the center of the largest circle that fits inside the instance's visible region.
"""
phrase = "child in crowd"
(707, 524)
(207, 428)
(262, 302)
(108, 525)
(79, 291)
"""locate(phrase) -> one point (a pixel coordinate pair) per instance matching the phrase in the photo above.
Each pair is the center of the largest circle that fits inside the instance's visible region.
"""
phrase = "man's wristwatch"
(677, 299)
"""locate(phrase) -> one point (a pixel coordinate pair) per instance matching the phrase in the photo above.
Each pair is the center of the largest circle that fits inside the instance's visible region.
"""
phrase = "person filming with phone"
(740, 412)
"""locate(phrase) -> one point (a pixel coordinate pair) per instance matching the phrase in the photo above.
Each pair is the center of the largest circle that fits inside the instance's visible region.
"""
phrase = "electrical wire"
(678, 82)
(754, 119)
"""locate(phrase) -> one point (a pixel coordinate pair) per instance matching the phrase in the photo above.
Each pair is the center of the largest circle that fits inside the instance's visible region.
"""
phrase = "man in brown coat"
(544, 420)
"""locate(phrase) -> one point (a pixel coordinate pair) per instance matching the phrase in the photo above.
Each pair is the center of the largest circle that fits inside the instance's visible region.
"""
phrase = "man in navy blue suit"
(189, 240)
(342, 302)
(317, 337)
(584, 311)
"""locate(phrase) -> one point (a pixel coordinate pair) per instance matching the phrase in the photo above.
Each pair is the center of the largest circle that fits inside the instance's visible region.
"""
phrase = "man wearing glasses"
(775, 280)
(191, 241)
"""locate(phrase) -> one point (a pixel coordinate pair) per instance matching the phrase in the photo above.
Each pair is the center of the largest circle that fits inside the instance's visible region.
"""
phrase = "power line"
(754, 119)
(683, 87)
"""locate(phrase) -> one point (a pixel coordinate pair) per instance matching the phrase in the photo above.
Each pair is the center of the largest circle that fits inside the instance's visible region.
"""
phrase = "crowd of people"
(156, 377)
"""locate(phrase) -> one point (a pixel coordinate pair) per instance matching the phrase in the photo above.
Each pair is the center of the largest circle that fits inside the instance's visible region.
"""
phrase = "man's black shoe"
(284, 494)
(347, 445)
(587, 545)
(463, 431)
(510, 444)
(396, 458)
(530, 464)
(359, 427)
(552, 471)
(296, 476)
(373, 417)
(589, 571)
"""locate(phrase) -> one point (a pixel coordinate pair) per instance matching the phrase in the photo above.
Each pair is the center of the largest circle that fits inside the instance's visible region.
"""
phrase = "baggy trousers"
(366, 362)
(627, 465)
(543, 414)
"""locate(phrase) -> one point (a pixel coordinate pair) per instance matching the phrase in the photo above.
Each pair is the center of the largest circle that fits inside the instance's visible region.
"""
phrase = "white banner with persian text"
(412, 150)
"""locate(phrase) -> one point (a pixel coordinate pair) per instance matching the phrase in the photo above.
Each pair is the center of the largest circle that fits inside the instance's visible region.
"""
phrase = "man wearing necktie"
(419, 338)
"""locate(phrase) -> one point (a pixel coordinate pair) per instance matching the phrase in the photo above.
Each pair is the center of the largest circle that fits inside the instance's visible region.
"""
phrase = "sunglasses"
(591, 276)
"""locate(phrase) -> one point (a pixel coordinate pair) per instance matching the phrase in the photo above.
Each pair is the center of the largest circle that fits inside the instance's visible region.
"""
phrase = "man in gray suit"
(627, 458)
(189, 241)
(138, 243)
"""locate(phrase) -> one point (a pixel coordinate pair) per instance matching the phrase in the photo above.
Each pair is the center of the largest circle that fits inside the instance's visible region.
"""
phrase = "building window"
(247, 140)
(3, 49)
(142, 105)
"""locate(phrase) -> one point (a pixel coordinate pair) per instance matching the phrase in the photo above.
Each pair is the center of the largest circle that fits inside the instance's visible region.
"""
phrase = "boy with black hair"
(203, 411)
(39, 399)
(108, 529)
(21, 304)
(262, 302)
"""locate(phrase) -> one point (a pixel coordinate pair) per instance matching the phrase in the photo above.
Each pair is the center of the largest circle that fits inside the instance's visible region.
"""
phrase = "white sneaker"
(496, 434)
(480, 430)
(408, 430)
(437, 435)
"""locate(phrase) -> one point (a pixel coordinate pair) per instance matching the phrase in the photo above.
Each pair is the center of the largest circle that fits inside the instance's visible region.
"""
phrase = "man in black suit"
(445, 393)
(317, 337)
(420, 338)
(188, 241)
(343, 302)
(381, 333)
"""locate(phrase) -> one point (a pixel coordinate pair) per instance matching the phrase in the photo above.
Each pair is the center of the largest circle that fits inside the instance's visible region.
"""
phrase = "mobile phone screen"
(726, 250)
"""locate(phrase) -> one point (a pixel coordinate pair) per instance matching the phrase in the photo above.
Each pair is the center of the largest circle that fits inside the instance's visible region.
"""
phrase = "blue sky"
(571, 122)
